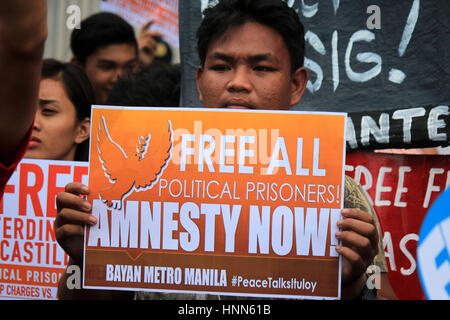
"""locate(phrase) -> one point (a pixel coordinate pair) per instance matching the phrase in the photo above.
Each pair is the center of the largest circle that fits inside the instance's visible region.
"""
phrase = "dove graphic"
(137, 171)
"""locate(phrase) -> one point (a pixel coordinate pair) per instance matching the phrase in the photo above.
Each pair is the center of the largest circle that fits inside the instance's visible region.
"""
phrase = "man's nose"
(240, 81)
(119, 72)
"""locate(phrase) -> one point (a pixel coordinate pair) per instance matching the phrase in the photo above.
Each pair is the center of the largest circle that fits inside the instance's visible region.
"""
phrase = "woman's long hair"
(79, 91)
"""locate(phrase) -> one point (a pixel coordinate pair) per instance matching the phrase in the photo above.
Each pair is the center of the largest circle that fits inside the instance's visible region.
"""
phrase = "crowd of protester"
(45, 104)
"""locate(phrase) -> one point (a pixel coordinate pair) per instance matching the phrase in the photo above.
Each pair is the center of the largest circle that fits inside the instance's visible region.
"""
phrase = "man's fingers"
(360, 222)
(365, 229)
(357, 214)
(147, 25)
(357, 243)
(74, 217)
(77, 188)
(148, 42)
(353, 264)
(72, 201)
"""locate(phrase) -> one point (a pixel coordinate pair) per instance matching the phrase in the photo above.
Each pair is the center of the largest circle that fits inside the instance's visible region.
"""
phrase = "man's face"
(249, 67)
(106, 65)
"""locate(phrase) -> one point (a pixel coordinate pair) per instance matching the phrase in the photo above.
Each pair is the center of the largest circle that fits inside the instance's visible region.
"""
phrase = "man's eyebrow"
(251, 59)
(114, 63)
(106, 61)
(222, 56)
(261, 57)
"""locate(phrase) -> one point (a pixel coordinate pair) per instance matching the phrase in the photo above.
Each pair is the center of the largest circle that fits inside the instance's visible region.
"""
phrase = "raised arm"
(23, 31)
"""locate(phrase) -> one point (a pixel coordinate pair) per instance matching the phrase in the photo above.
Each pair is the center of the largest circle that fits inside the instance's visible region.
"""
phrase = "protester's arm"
(23, 30)
(147, 43)
(73, 214)
(361, 244)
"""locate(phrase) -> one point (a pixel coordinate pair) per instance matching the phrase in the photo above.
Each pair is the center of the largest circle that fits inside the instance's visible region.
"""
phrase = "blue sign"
(433, 250)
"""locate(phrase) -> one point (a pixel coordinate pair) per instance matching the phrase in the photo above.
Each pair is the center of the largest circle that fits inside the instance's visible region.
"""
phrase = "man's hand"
(359, 246)
(73, 214)
(147, 44)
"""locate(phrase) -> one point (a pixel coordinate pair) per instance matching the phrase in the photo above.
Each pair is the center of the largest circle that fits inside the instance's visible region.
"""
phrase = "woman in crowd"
(62, 123)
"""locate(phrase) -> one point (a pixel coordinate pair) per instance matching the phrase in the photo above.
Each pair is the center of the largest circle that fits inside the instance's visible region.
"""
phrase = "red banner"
(402, 188)
(31, 261)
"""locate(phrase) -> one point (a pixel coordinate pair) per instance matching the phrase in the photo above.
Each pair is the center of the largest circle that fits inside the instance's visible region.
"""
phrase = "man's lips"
(238, 104)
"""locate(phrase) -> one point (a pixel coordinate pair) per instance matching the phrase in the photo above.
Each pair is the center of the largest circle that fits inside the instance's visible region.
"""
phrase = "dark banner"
(418, 127)
(362, 56)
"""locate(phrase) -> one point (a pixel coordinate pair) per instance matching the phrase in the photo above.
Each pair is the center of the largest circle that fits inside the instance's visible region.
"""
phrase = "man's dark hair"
(78, 89)
(98, 31)
(157, 85)
(275, 14)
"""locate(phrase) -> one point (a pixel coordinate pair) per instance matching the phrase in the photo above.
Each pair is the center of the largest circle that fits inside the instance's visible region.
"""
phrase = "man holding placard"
(240, 71)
